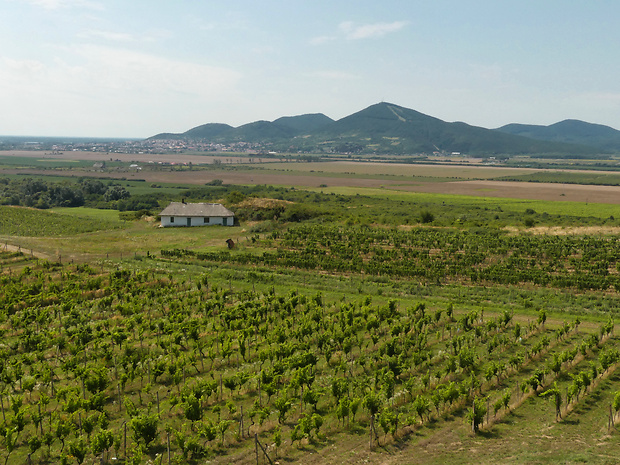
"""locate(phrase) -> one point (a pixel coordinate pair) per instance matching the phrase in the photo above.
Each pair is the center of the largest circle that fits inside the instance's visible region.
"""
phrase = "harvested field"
(496, 189)
(523, 190)
(463, 170)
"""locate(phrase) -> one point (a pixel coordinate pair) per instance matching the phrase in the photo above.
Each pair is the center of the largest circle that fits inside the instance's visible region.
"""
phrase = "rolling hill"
(383, 128)
(572, 131)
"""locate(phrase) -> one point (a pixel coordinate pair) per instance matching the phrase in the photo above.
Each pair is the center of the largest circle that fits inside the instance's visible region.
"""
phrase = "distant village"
(134, 146)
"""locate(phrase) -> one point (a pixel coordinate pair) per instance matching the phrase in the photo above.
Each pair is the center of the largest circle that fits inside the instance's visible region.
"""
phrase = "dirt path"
(15, 248)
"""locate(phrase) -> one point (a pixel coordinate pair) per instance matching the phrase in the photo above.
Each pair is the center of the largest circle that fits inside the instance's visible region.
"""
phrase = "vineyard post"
(168, 445)
(488, 409)
(260, 401)
(2, 404)
(473, 422)
(125, 441)
(611, 419)
(256, 446)
(241, 423)
(158, 403)
(120, 399)
(41, 419)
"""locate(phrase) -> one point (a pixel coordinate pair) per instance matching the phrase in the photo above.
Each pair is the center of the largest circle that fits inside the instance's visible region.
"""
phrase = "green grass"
(19, 221)
(12, 162)
(574, 209)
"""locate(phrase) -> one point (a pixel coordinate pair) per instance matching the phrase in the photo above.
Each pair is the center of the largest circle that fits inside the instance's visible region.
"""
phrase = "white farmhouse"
(196, 214)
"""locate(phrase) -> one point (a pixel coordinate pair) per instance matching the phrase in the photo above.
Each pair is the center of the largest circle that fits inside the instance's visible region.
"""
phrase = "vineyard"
(142, 363)
(436, 255)
(347, 325)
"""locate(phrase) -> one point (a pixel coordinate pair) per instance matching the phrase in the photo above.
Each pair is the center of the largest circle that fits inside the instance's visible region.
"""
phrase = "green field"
(348, 325)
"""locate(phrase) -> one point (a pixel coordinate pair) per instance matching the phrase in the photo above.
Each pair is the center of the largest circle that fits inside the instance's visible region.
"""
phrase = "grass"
(528, 434)
(20, 221)
(574, 209)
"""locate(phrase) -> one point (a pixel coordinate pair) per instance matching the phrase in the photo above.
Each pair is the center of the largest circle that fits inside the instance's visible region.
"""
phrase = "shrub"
(426, 216)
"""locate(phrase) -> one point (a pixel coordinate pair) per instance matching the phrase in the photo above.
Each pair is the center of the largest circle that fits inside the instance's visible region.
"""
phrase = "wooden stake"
(168, 443)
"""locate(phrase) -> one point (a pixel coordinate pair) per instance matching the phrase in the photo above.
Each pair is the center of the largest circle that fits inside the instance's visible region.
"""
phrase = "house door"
(189, 221)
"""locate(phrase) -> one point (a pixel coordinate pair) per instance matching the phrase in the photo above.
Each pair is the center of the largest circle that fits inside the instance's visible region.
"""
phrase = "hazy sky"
(133, 68)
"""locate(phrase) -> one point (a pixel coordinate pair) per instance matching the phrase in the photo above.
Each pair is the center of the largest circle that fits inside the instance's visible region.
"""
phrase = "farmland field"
(361, 318)
(482, 181)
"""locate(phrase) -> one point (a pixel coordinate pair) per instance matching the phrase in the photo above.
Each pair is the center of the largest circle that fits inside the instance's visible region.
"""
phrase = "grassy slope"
(528, 435)
(518, 205)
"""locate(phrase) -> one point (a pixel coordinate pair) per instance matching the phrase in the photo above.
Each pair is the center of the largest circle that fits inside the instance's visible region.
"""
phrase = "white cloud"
(128, 70)
(109, 35)
(58, 4)
(368, 31)
(350, 31)
(320, 40)
(115, 36)
(104, 90)
(335, 75)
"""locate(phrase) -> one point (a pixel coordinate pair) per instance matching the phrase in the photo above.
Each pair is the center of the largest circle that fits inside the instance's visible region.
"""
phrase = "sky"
(135, 68)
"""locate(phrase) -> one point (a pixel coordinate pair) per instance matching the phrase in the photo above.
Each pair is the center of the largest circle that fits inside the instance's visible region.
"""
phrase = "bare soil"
(523, 190)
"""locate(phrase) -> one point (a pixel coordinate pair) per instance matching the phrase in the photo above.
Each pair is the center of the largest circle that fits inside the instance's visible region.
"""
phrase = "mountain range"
(385, 128)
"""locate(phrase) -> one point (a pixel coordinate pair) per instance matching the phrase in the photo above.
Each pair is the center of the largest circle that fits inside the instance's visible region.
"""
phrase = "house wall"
(166, 221)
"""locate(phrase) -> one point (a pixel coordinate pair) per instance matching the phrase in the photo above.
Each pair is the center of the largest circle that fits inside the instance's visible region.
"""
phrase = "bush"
(427, 217)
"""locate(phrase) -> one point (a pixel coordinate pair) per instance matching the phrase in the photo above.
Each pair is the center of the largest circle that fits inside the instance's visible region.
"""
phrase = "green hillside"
(572, 131)
(383, 128)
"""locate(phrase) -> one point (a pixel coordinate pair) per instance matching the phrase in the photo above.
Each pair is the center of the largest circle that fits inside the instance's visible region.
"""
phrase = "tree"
(10, 441)
(102, 441)
(78, 449)
(192, 408)
(116, 193)
(555, 393)
(342, 410)
(421, 406)
(282, 405)
(144, 428)
(475, 415)
(372, 402)
(426, 216)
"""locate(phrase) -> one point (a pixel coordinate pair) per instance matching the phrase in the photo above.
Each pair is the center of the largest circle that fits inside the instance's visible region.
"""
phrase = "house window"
(172, 219)
(206, 220)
